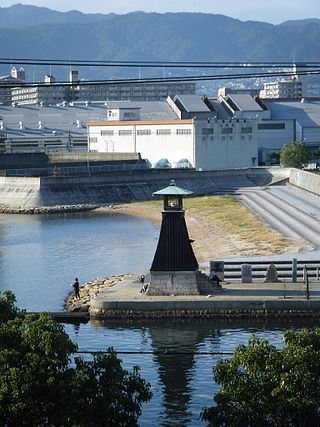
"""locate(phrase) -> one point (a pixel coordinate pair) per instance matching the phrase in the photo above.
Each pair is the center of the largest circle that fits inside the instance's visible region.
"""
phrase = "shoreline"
(19, 210)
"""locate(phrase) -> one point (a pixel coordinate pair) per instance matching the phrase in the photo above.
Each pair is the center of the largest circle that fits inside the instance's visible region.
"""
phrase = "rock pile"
(47, 209)
(90, 290)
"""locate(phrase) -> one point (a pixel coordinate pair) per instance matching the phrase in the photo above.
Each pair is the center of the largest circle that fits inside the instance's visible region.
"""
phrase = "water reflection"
(183, 354)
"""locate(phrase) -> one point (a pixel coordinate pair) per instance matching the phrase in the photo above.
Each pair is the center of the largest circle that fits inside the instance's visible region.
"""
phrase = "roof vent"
(20, 125)
(39, 124)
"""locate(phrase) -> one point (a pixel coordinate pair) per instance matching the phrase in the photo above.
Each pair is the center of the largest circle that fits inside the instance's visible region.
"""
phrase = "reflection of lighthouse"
(174, 266)
(174, 345)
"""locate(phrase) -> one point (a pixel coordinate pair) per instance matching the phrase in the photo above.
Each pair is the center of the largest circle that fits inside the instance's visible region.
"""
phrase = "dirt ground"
(210, 241)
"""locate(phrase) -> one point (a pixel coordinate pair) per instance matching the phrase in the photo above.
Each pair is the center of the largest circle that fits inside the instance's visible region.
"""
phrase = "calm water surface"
(41, 255)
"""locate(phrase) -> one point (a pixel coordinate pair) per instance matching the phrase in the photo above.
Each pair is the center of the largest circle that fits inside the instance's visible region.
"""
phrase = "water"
(39, 257)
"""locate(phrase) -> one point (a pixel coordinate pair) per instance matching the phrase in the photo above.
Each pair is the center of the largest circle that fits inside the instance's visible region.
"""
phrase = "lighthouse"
(174, 268)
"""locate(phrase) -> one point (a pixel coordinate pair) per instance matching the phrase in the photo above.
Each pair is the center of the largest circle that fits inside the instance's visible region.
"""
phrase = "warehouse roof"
(307, 113)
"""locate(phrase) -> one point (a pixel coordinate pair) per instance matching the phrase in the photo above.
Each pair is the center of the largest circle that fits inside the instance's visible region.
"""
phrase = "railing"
(232, 270)
(72, 170)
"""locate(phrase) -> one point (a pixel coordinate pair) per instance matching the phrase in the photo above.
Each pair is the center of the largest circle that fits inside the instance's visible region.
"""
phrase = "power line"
(161, 353)
(151, 80)
(173, 64)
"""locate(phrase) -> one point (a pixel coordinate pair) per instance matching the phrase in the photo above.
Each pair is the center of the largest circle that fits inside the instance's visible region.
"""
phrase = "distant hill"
(22, 16)
(42, 33)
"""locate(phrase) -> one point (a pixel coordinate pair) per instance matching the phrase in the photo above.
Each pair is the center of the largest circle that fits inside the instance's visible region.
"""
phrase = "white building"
(283, 89)
(190, 133)
(292, 88)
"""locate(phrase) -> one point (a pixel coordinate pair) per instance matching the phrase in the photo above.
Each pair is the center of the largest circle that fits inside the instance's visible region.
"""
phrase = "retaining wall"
(121, 187)
(206, 309)
(307, 181)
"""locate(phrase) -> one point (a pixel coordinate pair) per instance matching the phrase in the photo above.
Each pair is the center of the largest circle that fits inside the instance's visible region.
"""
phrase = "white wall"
(220, 151)
(152, 146)
(207, 151)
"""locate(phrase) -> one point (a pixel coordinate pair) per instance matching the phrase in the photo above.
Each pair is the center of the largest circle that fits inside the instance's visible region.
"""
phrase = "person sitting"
(144, 288)
(214, 277)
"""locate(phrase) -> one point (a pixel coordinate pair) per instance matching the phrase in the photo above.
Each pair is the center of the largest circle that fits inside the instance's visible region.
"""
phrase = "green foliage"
(294, 154)
(316, 153)
(264, 386)
(8, 309)
(40, 383)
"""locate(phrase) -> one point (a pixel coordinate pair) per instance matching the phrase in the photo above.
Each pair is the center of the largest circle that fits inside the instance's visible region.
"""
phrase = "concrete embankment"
(119, 297)
(306, 181)
(121, 187)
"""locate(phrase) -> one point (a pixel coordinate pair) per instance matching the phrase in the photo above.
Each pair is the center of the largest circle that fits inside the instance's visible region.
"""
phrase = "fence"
(73, 170)
(285, 269)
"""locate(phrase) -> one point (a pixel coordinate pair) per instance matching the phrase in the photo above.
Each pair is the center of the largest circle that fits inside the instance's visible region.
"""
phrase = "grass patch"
(236, 221)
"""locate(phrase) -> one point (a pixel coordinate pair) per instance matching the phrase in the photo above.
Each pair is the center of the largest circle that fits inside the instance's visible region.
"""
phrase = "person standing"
(76, 287)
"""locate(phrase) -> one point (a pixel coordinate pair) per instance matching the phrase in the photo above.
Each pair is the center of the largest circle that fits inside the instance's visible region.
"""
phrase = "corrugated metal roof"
(149, 110)
(193, 103)
(62, 119)
(306, 113)
(245, 102)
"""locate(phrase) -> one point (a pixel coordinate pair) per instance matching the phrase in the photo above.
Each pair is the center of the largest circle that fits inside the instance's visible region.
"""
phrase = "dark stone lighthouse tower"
(174, 267)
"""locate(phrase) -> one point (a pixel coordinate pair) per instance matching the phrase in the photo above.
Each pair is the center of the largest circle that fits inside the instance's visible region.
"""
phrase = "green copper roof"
(173, 190)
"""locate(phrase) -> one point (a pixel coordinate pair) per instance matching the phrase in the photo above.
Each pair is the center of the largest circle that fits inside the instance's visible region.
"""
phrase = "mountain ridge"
(142, 36)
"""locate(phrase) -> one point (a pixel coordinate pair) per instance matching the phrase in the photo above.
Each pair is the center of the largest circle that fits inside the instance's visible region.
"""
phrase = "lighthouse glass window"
(173, 202)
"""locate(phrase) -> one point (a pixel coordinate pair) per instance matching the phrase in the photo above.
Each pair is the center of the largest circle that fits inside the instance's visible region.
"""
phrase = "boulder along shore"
(90, 290)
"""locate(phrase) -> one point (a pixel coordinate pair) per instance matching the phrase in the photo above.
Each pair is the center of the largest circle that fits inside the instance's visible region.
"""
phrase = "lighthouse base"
(173, 283)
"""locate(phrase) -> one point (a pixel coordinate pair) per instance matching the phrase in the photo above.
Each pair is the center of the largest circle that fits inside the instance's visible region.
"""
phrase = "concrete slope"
(286, 212)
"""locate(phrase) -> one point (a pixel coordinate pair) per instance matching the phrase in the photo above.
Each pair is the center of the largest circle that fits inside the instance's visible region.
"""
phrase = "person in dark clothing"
(214, 277)
(142, 279)
(76, 288)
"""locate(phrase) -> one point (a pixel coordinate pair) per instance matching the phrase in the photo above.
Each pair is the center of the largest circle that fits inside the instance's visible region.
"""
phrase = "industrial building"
(236, 130)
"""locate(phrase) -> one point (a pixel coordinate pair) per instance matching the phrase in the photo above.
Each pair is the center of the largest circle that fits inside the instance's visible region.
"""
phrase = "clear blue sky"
(273, 11)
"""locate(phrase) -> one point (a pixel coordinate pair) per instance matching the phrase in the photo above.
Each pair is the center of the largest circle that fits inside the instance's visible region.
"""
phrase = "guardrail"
(232, 270)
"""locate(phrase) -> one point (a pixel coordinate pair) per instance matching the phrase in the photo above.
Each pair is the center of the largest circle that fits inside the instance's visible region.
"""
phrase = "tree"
(294, 154)
(316, 154)
(42, 384)
(264, 386)
(8, 309)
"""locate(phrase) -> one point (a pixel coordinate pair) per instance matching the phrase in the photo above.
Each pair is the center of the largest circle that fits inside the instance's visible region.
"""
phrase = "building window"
(226, 131)
(183, 132)
(271, 126)
(107, 132)
(144, 132)
(163, 131)
(246, 129)
(129, 115)
(93, 139)
(243, 137)
(230, 138)
(207, 131)
(250, 136)
(223, 138)
(211, 138)
(125, 132)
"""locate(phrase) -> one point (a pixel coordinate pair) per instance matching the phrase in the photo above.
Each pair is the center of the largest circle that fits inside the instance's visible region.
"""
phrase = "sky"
(272, 11)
